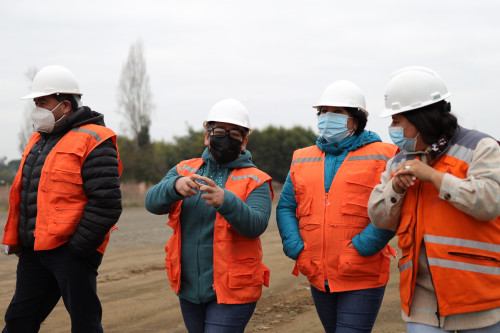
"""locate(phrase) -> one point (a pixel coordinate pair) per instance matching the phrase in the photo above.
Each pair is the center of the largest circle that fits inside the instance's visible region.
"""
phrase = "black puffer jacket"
(100, 183)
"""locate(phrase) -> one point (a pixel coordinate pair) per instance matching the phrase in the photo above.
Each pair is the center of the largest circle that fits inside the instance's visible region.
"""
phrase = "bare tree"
(27, 125)
(135, 99)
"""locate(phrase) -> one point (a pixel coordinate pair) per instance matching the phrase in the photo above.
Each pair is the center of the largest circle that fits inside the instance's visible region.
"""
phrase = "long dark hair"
(360, 116)
(433, 122)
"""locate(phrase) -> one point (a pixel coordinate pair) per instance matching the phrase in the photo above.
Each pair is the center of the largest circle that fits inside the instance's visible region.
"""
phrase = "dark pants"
(216, 318)
(348, 311)
(42, 278)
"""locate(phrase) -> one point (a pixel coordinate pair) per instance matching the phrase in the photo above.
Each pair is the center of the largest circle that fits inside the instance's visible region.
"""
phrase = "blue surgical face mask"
(333, 126)
(397, 136)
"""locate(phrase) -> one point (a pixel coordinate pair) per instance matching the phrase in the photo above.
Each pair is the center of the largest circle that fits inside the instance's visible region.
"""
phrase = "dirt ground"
(136, 296)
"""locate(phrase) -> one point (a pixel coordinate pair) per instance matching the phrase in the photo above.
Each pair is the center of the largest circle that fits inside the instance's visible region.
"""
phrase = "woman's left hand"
(213, 194)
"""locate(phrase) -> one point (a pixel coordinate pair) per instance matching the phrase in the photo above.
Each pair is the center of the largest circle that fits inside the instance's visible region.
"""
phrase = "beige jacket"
(475, 195)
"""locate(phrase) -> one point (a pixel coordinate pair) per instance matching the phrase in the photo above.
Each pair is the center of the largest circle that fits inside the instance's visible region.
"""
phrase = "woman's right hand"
(187, 186)
(401, 182)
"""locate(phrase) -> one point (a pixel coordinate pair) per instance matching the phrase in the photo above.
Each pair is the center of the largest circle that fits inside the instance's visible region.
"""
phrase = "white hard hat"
(342, 93)
(411, 88)
(229, 111)
(51, 80)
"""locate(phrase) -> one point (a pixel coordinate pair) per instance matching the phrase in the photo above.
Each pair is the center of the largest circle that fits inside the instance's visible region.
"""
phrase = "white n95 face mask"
(43, 119)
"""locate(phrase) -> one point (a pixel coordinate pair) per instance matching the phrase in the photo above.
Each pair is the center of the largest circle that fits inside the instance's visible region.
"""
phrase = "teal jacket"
(369, 241)
(249, 218)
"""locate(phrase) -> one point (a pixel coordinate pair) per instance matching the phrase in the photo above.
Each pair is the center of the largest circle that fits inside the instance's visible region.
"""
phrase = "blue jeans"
(348, 311)
(216, 318)
(42, 278)
(417, 328)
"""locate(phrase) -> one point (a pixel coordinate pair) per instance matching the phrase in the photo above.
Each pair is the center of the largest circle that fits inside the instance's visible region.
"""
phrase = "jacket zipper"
(415, 268)
(438, 315)
(325, 255)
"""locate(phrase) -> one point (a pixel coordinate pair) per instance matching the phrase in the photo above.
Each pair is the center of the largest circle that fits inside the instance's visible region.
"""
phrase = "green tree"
(8, 170)
(272, 148)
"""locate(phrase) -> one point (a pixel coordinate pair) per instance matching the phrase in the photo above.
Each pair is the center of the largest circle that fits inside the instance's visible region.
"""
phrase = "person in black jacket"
(64, 201)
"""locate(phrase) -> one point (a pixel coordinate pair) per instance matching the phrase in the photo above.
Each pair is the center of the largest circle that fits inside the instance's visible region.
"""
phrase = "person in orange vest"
(441, 195)
(63, 202)
(322, 216)
(218, 206)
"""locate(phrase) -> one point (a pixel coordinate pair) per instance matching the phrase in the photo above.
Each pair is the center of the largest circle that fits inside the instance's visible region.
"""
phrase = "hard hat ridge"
(229, 111)
(411, 88)
(342, 93)
(53, 79)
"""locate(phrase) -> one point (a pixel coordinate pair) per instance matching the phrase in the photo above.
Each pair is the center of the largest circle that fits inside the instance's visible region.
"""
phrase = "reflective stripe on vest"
(369, 157)
(233, 177)
(88, 131)
(405, 266)
(309, 159)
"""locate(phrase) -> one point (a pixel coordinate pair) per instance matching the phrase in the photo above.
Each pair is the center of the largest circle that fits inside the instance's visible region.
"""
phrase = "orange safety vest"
(238, 269)
(61, 198)
(463, 253)
(328, 221)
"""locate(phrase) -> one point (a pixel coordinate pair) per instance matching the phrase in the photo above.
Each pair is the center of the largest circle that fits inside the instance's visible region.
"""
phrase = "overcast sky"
(275, 56)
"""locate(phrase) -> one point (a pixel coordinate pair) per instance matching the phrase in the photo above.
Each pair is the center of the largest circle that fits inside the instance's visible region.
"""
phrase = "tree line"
(271, 148)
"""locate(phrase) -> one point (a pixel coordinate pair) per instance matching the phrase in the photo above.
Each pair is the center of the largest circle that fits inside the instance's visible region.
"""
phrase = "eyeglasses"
(220, 131)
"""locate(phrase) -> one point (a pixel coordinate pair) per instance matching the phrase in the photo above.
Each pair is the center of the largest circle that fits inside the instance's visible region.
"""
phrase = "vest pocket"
(305, 264)
(65, 221)
(405, 236)
(355, 202)
(67, 169)
(66, 228)
(304, 201)
(351, 263)
(247, 272)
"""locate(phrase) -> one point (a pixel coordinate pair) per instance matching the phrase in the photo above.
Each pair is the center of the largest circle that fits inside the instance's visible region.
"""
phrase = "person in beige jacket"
(441, 194)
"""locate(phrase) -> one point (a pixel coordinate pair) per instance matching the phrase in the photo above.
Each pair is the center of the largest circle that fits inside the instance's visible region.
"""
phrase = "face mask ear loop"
(58, 120)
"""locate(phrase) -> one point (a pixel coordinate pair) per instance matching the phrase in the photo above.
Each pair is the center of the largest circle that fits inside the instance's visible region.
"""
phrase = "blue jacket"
(369, 241)
(249, 218)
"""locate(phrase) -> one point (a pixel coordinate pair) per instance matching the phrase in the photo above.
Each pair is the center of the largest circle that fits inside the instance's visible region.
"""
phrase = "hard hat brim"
(343, 106)
(41, 94)
(390, 112)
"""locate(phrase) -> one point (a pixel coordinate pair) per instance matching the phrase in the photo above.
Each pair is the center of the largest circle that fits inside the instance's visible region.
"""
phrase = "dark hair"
(358, 114)
(433, 122)
(67, 97)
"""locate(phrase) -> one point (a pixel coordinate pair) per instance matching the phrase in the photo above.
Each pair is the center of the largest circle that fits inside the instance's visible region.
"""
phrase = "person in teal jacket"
(249, 218)
(342, 119)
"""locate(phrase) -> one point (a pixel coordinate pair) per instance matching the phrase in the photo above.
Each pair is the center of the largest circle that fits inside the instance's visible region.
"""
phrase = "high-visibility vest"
(60, 198)
(328, 221)
(238, 269)
(463, 253)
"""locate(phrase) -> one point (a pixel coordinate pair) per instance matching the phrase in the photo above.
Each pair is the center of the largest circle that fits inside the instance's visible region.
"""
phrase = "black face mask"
(224, 148)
